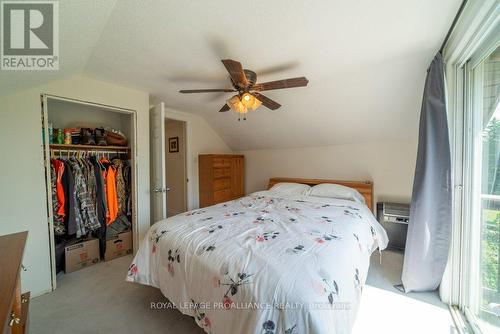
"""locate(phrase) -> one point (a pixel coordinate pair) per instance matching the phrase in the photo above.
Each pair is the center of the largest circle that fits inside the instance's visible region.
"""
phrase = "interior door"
(176, 166)
(158, 187)
(50, 216)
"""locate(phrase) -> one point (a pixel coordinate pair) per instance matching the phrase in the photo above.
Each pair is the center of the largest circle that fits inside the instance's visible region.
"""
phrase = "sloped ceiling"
(366, 62)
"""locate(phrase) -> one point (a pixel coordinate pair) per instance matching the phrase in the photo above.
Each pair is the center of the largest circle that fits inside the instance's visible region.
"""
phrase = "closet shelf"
(88, 147)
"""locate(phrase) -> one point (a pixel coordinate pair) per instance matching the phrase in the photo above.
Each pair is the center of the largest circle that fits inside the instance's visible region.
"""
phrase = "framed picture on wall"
(173, 144)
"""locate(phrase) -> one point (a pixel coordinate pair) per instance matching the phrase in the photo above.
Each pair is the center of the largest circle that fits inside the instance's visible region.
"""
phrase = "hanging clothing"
(58, 220)
(111, 196)
(104, 171)
(120, 186)
(89, 196)
(91, 182)
(100, 204)
(77, 177)
(127, 175)
(88, 218)
(70, 201)
(100, 194)
(59, 170)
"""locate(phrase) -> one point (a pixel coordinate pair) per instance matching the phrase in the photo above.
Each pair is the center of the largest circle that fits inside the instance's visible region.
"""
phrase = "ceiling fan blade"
(189, 91)
(224, 108)
(236, 72)
(266, 102)
(281, 84)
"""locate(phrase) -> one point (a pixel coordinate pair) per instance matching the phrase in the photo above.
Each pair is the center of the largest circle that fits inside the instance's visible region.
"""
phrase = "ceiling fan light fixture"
(250, 102)
(247, 100)
(248, 91)
(236, 104)
(256, 104)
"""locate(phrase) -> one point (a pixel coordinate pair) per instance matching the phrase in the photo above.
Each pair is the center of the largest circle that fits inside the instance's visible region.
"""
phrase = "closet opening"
(176, 168)
(89, 156)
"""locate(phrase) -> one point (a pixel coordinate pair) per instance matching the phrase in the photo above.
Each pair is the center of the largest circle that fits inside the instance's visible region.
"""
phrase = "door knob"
(160, 190)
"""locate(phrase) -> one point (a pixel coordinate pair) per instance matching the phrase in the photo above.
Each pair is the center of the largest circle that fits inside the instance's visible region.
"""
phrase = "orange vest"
(111, 197)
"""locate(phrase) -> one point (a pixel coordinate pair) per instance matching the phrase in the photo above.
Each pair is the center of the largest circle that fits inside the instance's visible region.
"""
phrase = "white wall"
(22, 183)
(390, 165)
(200, 138)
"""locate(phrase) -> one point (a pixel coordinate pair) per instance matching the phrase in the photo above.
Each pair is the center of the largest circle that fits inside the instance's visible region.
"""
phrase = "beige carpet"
(98, 300)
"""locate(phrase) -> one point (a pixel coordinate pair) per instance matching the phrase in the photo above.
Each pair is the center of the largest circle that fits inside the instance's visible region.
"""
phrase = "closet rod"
(56, 150)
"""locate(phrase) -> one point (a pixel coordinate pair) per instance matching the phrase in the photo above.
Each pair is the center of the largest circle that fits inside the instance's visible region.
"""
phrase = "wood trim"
(365, 188)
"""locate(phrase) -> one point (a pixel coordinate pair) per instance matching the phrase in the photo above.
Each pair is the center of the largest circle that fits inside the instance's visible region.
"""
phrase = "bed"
(265, 263)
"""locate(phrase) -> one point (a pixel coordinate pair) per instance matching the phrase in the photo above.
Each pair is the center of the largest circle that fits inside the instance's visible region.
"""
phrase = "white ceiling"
(365, 60)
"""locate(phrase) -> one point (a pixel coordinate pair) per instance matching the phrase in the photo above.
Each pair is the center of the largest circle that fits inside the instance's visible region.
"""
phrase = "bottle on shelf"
(67, 136)
(60, 136)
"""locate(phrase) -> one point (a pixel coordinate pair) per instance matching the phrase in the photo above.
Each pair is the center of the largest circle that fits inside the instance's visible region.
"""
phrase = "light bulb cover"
(256, 103)
(236, 104)
(242, 104)
(247, 100)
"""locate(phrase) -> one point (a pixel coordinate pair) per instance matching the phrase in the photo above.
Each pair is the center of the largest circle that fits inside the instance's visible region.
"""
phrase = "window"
(472, 58)
(483, 87)
(490, 188)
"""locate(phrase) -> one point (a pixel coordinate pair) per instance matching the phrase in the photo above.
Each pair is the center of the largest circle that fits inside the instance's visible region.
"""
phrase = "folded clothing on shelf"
(120, 225)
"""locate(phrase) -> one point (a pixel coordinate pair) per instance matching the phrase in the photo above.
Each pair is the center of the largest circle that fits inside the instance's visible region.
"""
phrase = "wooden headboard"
(365, 188)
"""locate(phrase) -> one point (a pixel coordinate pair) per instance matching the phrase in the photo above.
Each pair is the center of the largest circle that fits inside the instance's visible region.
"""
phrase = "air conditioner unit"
(394, 217)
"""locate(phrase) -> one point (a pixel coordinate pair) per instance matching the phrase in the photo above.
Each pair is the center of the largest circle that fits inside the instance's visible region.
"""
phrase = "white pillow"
(336, 191)
(288, 188)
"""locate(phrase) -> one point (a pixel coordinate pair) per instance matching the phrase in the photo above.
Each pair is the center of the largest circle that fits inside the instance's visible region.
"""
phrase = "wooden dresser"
(220, 178)
(13, 305)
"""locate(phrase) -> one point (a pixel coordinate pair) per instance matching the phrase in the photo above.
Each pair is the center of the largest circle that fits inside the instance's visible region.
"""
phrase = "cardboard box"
(119, 246)
(81, 255)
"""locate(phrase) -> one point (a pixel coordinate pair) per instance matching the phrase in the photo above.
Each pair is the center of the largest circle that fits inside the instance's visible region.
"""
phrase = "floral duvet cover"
(263, 263)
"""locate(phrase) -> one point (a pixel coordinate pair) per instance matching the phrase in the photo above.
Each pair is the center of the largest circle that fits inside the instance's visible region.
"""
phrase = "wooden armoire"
(220, 178)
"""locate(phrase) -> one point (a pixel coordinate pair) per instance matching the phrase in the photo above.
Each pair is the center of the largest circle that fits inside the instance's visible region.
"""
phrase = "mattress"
(264, 263)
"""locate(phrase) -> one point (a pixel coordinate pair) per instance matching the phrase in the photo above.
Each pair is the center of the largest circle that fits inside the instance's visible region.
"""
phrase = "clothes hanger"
(99, 163)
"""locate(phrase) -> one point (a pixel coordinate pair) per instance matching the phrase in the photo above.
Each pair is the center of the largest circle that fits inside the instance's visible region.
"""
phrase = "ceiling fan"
(248, 95)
